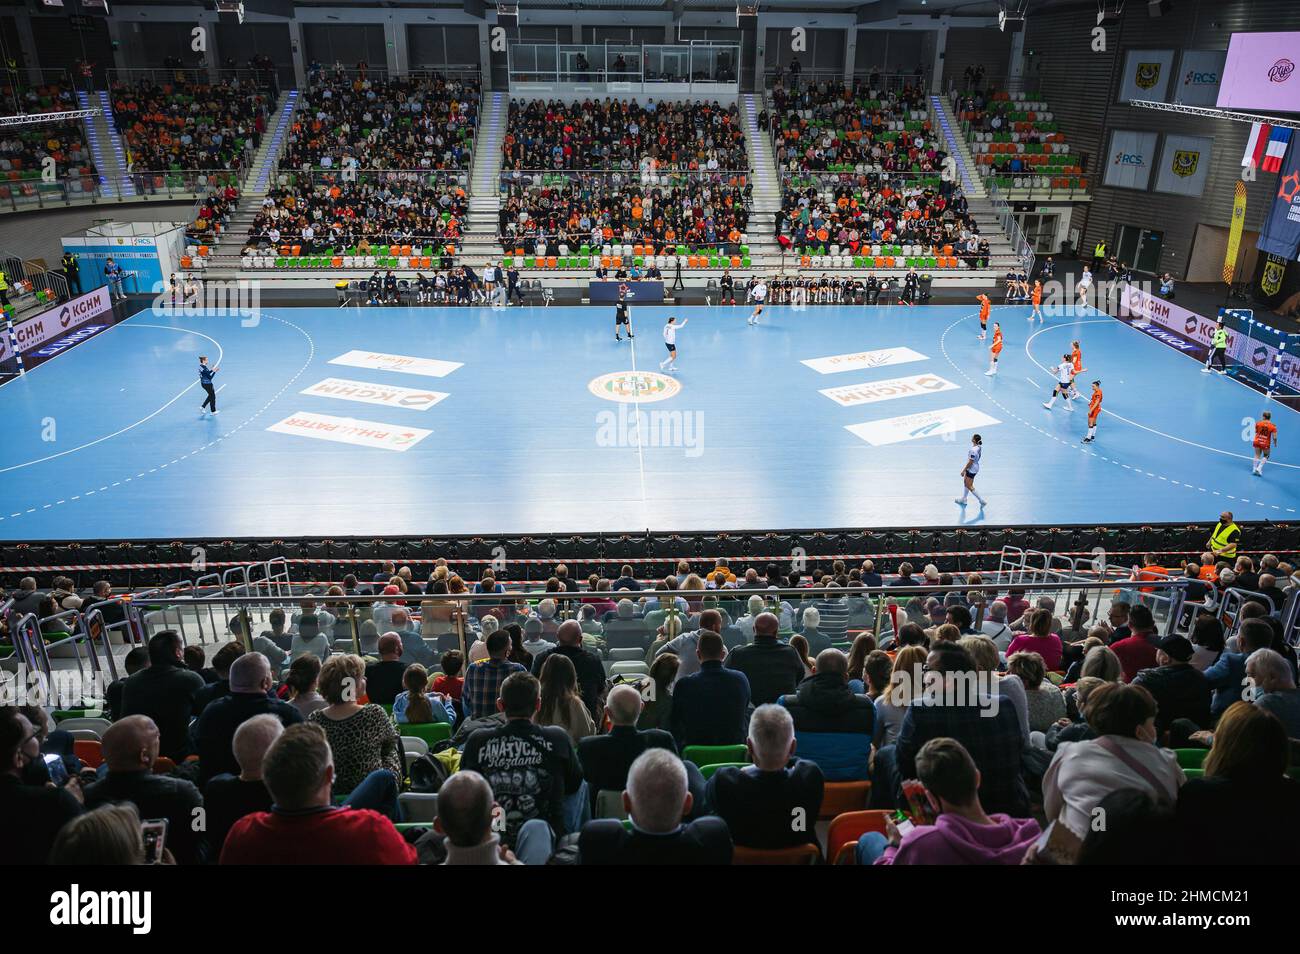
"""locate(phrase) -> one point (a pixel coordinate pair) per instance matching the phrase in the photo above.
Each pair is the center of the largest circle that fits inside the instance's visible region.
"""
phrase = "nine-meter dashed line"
(1083, 450)
(311, 353)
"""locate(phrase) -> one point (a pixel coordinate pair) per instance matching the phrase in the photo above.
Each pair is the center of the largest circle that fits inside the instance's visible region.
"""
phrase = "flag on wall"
(1234, 231)
(1281, 232)
(1278, 139)
(1255, 144)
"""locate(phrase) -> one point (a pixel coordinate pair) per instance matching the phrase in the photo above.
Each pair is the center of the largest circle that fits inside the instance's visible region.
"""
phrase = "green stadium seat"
(713, 754)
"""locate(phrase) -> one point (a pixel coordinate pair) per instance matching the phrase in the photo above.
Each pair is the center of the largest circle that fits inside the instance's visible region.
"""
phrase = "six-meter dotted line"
(311, 353)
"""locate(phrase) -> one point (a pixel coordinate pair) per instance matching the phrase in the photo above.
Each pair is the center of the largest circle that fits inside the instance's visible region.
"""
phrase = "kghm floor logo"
(77, 908)
(627, 387)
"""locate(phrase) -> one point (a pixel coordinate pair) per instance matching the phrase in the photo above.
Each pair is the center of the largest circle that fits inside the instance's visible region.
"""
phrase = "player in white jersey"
(759, 294)
(970, 469)
(670, 342)
(1064, 373)
(1085, 285)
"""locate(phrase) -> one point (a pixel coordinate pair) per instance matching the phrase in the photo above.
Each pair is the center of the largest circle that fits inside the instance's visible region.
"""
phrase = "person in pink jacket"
(961, 834)
(1040, 639)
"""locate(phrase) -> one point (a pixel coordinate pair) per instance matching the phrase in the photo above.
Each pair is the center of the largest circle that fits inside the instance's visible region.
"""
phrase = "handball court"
(388, 421)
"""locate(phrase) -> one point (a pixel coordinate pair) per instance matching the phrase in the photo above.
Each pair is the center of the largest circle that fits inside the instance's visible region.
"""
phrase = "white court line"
(943, 347)
(100, 440)
(636, 400)
(311, 345)
(1150, 430)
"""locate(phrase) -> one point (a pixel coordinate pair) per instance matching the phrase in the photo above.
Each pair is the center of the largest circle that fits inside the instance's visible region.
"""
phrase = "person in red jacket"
(303, 827)
(1137, 651)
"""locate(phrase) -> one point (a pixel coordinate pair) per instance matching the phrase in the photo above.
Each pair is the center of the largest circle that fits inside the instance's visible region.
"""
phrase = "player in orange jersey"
(985, 306)
(1265, 441)
(1037, 298)
(1076, 360)
(1094, 411)
(996, 350)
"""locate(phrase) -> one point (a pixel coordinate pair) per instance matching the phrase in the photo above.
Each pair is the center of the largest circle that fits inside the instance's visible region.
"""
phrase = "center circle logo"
(629, 387)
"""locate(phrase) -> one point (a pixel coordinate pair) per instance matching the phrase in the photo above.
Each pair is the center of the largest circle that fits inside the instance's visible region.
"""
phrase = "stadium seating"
(179, 126)
(861, 186)
(1017, 143)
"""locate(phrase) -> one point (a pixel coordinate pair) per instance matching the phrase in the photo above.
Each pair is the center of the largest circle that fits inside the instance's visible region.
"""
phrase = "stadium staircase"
(766, 199)
(479, 237)
(223, 260)
(106, 145)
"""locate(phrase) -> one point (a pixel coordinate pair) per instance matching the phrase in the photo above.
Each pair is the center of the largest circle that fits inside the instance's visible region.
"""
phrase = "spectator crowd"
(612, 722)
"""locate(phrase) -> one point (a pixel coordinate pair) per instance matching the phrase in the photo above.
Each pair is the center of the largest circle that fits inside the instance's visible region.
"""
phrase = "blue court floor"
(526, 420)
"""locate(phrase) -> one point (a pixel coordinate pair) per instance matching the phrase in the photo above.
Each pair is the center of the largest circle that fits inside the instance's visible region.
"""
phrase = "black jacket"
(703, 842)
(1181, 692)
(214, 733)
(157, 796)
(759, 806)
(606, 759)
(773, 668)
(164, 692)
(30, 817)
(710, 707)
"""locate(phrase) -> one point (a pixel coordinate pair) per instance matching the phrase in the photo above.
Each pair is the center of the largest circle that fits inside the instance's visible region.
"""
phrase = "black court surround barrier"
(523, 558)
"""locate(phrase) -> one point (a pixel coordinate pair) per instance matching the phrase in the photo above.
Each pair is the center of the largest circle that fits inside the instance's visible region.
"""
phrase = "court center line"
(636, 400)
(106, 437)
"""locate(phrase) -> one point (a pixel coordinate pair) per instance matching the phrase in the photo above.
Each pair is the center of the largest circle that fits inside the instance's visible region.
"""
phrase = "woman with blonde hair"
(693, 582)
(909, 662)
(1247, 766)
(904, 686)
(362, 737)
(1101, 661)
(668, 630)
(109, 835)
(437, 617)
(984, 653)
(560, 703)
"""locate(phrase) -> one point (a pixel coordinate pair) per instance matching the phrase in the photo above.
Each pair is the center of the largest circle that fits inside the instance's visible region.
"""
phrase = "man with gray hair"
(995, 627)
(606, 759)
(214, 733)
(1275, 687)
(656, 799)
(773, 803)
(228, 798)
(746, 623)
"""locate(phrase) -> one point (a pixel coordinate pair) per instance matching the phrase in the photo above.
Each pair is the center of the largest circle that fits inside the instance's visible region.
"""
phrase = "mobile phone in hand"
(154, 832)
(57, 771)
